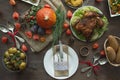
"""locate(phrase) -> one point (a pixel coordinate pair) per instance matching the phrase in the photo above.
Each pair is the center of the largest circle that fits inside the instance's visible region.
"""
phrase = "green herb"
(59, 24)
(118, 1)
(32, 13)
(13, 57)
(115, 2)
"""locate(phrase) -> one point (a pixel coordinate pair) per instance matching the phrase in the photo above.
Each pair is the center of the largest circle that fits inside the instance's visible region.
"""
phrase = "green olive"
(11, 54)
(9, 66)
(15, 50)
(5, 60)
(18, 51)
(22, 65)
(22, 55)
(16, 65)
(7, 63)
(13, 61)
(7, 54)
(12, 50)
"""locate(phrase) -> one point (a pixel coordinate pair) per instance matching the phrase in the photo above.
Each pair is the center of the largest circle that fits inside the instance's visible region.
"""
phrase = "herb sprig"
(58, 26)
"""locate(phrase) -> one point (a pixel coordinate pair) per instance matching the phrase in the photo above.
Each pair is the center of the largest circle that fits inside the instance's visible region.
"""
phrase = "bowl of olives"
(14, 60)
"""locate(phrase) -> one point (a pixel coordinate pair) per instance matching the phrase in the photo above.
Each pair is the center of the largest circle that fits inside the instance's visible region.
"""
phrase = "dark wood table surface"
(35, 69)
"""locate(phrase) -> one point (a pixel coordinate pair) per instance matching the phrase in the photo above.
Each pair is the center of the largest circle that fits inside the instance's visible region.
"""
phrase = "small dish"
(106, 44)
(112, 12)
(84, 51)
(14, 60)
(36, 3)
(49, 67)
(69, 3)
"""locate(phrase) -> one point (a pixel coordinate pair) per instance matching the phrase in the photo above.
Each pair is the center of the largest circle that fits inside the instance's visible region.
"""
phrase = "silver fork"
(61, 51)
(5, 30)
(11, 28)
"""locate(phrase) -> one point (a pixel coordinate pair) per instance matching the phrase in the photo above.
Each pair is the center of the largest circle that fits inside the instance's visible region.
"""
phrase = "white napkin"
(61, 68)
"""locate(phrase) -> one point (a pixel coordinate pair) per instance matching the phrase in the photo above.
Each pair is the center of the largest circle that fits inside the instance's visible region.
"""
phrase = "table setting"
(60, 40)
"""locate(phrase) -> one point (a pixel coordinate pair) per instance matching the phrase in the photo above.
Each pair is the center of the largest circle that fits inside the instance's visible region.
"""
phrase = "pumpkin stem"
(46, 18)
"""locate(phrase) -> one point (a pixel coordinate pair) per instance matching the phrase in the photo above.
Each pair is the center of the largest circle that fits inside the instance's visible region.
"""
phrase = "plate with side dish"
(114, 7)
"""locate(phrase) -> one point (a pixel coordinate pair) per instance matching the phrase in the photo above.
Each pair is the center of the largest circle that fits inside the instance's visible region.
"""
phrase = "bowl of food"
(73, 3)
(112, 50)
(14, 60)
(114, 7)
(88, 23)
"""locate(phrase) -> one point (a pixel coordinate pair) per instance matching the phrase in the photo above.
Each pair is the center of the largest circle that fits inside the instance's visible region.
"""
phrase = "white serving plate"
(73, 63)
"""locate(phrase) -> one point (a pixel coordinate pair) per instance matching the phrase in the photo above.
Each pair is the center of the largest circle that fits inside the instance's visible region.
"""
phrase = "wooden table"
(35, 69)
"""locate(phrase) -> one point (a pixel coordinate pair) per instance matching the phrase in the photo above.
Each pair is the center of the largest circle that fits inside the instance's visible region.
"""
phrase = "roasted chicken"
(88, 23)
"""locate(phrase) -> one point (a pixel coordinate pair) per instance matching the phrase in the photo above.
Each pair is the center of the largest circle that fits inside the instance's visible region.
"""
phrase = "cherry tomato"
(36, 37)
(102, 53)
(48, 31)
(17, 26)
(12, 2)
(68, 32)
(28, 34)
(95, 45)
(32, 17)
(4, 39)
(24, 47)
(15, 15)
(69, 14)
(66, 25)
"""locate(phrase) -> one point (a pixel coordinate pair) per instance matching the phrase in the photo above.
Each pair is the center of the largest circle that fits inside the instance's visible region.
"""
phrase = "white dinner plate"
(73, 63)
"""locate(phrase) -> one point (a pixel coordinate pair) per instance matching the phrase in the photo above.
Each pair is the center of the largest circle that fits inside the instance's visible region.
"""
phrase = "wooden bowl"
(106, 44)
(10, 58)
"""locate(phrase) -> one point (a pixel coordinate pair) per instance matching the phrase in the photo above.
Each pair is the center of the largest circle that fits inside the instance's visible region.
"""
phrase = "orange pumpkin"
(46, 17)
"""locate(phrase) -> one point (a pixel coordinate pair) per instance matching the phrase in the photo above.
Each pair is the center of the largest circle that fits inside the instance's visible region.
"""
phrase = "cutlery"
(89, 73)
(61, 50)
(85, 69)
(102, 61)
(96, 57)
(88, 67)
(11, 28)
(5, 30)
(17, 44)
(20, 39)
